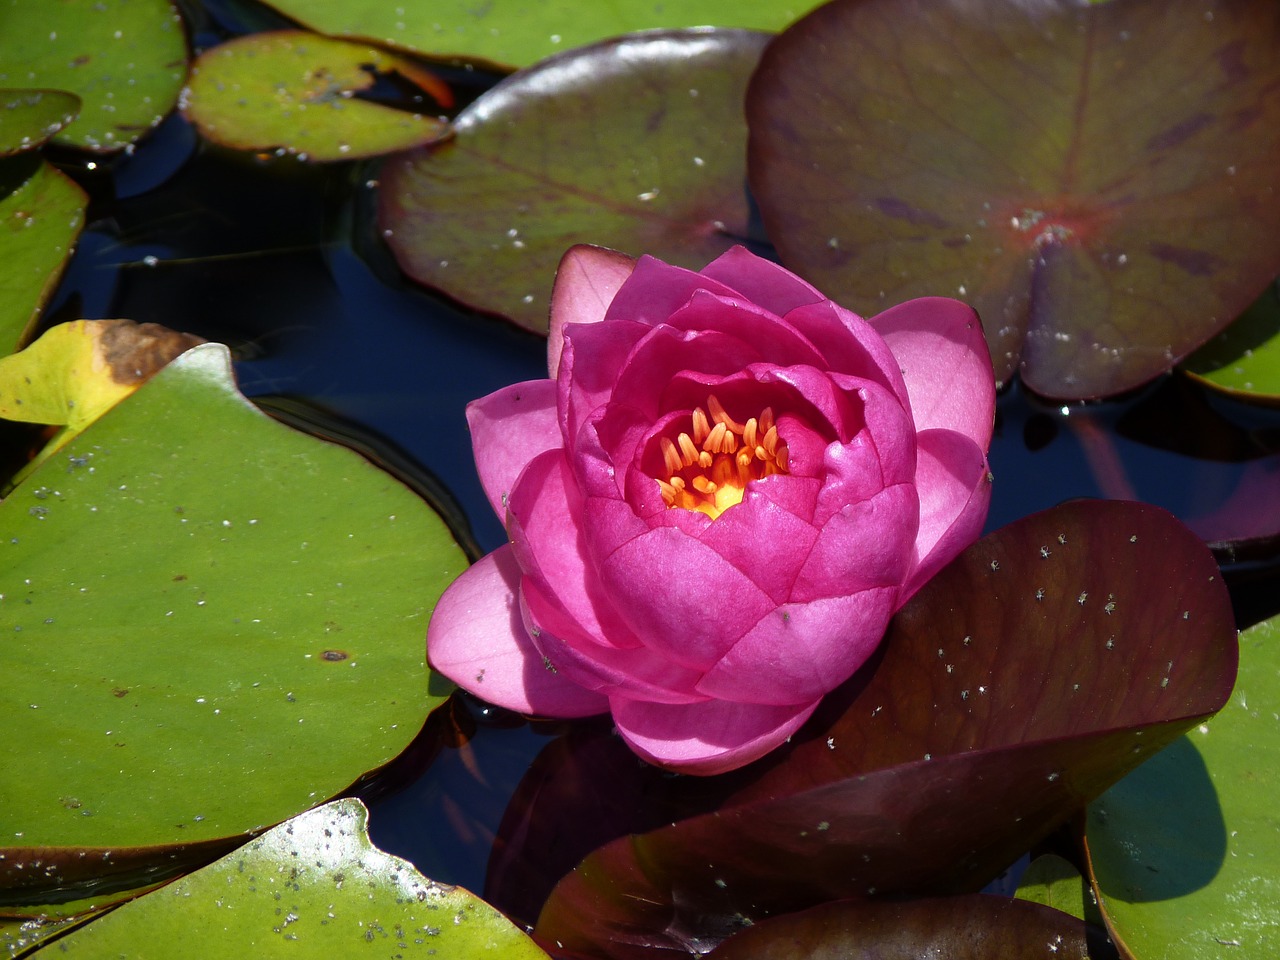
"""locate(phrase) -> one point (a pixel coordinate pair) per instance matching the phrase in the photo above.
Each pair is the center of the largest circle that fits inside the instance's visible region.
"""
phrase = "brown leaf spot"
(133, 352)
(334, 655)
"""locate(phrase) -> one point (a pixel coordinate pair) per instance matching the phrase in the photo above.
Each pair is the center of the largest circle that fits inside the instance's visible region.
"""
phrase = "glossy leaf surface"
(1244, 360)
(212, 623)
(1021, 682)
(294, 90)
(40, 220)
(635, 144)
(959, 928)
(125, 59)
(314, 887)
(30, 117)
(1185, 851)
(515, 33)
(1098, 181)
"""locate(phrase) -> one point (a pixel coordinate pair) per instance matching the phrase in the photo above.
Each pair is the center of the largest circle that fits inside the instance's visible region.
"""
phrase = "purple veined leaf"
(960, 928)
(1043, 664)
(1098, 180)
(635, 144)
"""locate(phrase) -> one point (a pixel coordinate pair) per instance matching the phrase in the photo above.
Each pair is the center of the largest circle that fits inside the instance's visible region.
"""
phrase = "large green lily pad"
(40, 220)
(125, 59)
(1185, 850)
(636, 144)
(295, 90)
(313, 887)
(30, 117)
(515, 33)
(212, 623)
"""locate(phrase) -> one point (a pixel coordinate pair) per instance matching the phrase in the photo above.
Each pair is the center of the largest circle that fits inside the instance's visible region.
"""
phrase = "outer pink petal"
(509, 428)
(800, 651)
(705, 738)
(953, 481)
(944, 359)
(587, 280)
(583, 388)
(863, 545)
(761, 281)
(477, 640)
(655, 290)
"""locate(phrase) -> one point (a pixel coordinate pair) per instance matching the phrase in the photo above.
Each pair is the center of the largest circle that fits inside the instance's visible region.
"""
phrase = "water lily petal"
(477, 640)
(952, 479)
(680, 597)
(655, 290)
(764, 540)
(705, 738)
(850, 345)
(583, 388)
(944, 359)
(863, 545)
(509, 428)
(771, 338)
(586, 281)
(799, 651)
(761, 281)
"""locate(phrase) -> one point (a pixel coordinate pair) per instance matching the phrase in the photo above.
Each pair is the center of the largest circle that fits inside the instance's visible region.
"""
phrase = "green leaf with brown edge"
(30, 117)
(515, 33)
(972, 927)
(213, 622)
(125, 59)
(314, 887)
(635, 144)
(1038, 668)
(295, 91)
(1244, 360)
(40, 220)
(1099, 181)
(1185, 851)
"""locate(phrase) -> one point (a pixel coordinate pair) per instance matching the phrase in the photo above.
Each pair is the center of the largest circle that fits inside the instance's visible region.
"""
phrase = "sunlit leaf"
(1185, 851)
(125, 59)
(959, 928)
(1099, 181)
(1244, 360)
(516, 33)
(40, 220)
(30, 117)
(295, 90)
(313, 887)
(1046, 662)
(1054, 882)
(212, 623)
(635, 144)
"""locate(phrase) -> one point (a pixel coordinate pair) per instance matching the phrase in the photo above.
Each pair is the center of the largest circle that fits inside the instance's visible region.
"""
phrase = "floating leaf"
(39, 223)
(959, 928)
(1047, 661)
(313, 887)
(1099, 181)
(1185, 851)
(514, 33)
(295, 90)
(1244, 360)
(212, 623)
(635, 144)
(30, 117)
(1054, 882)
(125, 59)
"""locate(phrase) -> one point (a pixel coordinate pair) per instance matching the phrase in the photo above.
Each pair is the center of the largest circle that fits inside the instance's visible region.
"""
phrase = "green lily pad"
(212, 623)
(514, 33)
(636, 144)
(125, 59)
(295, 90)
(30, 117)
(1244, 360)
(313, 887)
(39, 222)
(1185, 850)
(1054, 882)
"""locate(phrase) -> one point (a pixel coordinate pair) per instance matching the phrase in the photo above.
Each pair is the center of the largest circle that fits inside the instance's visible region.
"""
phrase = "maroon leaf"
(1033, 672)
(959, 928)
(1098, 180)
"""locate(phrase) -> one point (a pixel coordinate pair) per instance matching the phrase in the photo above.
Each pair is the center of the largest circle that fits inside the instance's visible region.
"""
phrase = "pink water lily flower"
(715, 503)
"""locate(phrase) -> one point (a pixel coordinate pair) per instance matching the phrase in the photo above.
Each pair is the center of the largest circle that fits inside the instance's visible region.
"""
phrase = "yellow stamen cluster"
(709, 468)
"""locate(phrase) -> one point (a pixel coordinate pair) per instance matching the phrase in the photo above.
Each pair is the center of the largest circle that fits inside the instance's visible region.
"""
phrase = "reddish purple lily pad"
(1052, 657)
(636, 144)
(1098, 180)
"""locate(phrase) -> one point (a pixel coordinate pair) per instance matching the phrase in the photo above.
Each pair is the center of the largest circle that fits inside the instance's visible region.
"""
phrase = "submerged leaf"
(1099, 181)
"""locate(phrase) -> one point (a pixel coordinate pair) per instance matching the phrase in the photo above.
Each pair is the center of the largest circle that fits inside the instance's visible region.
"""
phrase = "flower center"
(709, 468)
